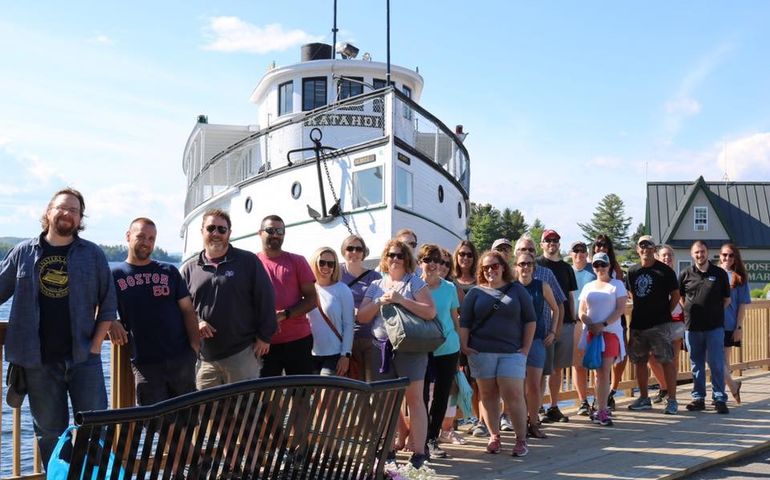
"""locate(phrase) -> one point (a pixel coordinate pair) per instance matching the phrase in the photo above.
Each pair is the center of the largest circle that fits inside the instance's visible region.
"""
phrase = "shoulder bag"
(409, 333)
(495, 307)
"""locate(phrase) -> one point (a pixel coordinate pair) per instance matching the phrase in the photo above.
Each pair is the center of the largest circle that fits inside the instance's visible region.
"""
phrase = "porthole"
(459, 210)
(248, 204)
(296, 190)
(441, 194)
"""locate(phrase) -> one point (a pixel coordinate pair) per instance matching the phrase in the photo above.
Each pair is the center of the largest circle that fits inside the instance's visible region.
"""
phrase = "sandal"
(535, 432)
(494, 444)
(737, 392)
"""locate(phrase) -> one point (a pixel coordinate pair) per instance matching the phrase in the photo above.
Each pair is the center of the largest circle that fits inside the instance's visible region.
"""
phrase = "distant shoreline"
(114, 253)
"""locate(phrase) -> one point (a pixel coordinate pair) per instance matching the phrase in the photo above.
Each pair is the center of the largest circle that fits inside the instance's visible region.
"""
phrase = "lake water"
(27, 433)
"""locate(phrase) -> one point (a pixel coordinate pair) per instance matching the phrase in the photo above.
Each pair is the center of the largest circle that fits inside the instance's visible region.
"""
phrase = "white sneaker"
(450, 436)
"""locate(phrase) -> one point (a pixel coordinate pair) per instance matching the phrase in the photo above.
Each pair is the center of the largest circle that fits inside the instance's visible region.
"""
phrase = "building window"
(367, 187)
(350, 87)
(701, 216)
(377, 105)
(403, 188)
(285, 98)
(313, 93)
(407, 111)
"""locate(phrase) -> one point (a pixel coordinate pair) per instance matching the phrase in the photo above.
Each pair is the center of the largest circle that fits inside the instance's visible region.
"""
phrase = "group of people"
(509, 319)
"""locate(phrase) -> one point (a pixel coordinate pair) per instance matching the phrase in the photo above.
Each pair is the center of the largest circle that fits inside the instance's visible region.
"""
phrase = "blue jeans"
(708, 347)
(48, 387)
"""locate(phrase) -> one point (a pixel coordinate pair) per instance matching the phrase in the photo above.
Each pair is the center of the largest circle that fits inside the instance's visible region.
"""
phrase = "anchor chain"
(334, 196)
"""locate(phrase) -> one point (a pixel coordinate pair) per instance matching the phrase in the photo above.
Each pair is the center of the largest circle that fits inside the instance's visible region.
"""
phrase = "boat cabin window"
(313, 93)
(407, 111)
(350, 87)
(403, 188)
(285, 98)
(377, 105)
(367, 187)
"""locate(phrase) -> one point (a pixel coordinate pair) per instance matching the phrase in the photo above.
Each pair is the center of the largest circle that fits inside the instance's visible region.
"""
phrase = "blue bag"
(58, 468)
(464, 394)
(592, 359)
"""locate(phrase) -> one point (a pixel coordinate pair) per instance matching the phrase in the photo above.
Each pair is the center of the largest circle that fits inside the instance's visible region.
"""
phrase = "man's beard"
(62, 230)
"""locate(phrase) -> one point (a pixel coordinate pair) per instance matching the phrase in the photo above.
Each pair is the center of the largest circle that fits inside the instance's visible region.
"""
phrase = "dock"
(640, 445)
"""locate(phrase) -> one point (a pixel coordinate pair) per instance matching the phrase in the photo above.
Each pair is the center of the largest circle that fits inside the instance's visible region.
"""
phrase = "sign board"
(759, 271)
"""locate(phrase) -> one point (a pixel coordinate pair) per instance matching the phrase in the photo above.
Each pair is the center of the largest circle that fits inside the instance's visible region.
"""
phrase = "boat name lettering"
(345, 120)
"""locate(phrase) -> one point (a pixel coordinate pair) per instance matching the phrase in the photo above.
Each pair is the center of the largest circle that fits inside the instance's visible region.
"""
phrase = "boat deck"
(644, 444)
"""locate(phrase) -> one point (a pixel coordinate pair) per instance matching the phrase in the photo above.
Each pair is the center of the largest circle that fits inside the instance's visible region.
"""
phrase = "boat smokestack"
(460, 133)
(316, 51)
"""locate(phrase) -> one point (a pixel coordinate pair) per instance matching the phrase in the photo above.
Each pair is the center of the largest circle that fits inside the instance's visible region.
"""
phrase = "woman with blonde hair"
(332, 320)
(402, 287)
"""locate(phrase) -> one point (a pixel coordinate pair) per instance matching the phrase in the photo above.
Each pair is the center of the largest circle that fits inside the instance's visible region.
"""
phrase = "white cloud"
(231, 34)
(683, 106)
(604, 161)
(101, 39)
(746, 158)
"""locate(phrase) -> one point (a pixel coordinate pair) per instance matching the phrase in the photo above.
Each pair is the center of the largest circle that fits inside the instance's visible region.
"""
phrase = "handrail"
(755, 353)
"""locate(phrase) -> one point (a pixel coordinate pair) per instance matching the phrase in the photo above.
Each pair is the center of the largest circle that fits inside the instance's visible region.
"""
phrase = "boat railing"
(754, 353)
(264, 152)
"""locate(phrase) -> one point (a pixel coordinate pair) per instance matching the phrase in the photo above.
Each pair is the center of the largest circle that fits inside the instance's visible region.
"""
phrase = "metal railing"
(754, 353)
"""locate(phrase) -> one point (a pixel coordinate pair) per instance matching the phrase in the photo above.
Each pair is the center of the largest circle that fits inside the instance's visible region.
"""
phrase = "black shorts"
(294, 358)
(729, 342)
(170, 378)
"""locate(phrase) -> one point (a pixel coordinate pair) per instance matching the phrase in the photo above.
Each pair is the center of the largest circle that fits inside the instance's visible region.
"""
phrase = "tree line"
(487, 223)
(114, 253)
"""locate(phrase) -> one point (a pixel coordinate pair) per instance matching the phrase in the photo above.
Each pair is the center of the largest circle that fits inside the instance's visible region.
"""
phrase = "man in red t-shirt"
(295, 295)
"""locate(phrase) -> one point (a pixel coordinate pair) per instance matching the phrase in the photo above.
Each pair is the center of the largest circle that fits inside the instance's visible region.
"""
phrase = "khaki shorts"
(656, 339)
(243, 365)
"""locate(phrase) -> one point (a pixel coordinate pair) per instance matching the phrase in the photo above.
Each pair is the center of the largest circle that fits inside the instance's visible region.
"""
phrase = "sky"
(564, 102)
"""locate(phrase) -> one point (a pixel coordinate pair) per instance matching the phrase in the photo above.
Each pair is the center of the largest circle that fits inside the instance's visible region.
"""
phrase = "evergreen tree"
(640, 230)
(610, 219)
(536, 231)
(513, 225)
(484, 224)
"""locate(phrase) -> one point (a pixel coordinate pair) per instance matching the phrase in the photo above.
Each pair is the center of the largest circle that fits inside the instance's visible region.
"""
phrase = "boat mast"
(334, 33)
(387, 35)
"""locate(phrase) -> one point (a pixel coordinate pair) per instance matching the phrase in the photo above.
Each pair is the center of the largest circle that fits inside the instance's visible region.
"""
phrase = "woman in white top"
(601, 304)
(332, 321)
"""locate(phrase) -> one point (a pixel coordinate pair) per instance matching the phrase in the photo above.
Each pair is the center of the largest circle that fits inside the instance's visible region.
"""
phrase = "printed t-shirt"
(55, 325)
(651, 289)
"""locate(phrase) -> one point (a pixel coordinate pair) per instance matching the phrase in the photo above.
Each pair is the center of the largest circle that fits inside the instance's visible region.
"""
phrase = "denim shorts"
(492, 365)
(536, 357)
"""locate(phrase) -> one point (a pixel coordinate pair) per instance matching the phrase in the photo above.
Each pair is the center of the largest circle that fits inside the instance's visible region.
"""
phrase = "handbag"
(409, 333)
(592, 359)
(58, 468)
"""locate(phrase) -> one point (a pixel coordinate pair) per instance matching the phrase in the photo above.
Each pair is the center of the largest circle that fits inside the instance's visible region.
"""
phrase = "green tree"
(536, 232)
(484, 224)
(640, 230)
(512, 224)
(610, 219)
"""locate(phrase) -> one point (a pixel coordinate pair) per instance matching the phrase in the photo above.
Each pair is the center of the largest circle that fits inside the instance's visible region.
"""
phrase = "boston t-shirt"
(651, 288)
(53, 297)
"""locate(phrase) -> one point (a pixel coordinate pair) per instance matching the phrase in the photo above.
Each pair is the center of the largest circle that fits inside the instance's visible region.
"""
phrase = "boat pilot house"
(679, 213)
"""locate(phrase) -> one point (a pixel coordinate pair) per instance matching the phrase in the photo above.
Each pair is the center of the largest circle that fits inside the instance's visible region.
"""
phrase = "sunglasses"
(526, 249)
(412, 244)
(465, 254)
(727, 255)
(446, 263)
(392, 255)
(494, 267)
(274, 230)
(600, 265)
(551, 240)
(579, 250)
(524, 264)
(326, 263)
(354, 248)
(503, 248)
(219, 228)
(429, 260)
(646, 245)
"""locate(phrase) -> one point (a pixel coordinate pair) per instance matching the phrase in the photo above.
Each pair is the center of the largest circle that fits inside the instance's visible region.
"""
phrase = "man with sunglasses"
(63, 305)
(295, 295)
(584, 274)
(563, 346)
(234, 302)
(655, 292)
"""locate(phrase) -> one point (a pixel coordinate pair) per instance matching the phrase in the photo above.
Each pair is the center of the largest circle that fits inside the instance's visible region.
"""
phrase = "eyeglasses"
(503, 248)
(219, 228)
(646, 245)
(524, 264)
(727, 255)
(551, 240)
(392, 255)
(579, 250)
(354, 248)
(326, 263)
(446, 263)
(525, 249)
(600, 265)
(465, 254)
(274, 230)
(494, 267)
(70, 210)
(429, 260)
(412, 244)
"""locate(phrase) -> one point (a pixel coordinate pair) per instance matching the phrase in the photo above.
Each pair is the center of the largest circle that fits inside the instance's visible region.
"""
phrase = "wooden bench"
(282, 427)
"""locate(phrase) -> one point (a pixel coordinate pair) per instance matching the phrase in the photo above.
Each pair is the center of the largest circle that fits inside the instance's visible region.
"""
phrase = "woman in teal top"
(442, 363)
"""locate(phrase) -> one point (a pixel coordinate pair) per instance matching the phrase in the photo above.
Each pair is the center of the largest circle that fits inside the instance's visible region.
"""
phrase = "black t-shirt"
(651, 288)
(53, 298)
(148, 304)
(565, 275)
(704, 294)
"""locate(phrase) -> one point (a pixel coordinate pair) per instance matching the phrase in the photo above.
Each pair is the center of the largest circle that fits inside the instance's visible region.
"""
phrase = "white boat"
(387, 163)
